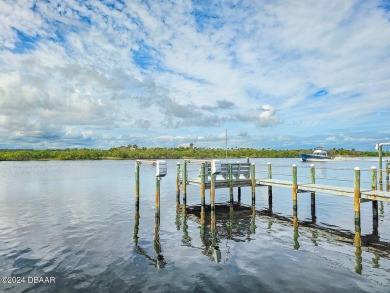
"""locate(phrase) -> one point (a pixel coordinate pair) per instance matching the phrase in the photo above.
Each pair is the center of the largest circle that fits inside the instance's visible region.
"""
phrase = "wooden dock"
(365, 194)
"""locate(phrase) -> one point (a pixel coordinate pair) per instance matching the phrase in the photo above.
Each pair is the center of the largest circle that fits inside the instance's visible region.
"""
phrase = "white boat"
(318, 154)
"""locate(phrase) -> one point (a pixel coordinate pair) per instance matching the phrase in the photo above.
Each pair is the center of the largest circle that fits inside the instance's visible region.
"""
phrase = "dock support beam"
(356, 202)
(375, 216)
(269, 187)
(202, 185)
(253, 183)
(230, 169)
(177, 184)
(295, 191)
(136, 184)
(295, 205)
(313, 194)
(158, 197)
(184, 181)
(212, 192)
(387, 175)
(380, 164)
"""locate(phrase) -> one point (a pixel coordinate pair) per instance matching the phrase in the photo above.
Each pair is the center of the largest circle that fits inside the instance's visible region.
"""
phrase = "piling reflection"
(237, 222)
(186, 239)
(296, 234)
(358, 253)
(253, 218)
(158, 261)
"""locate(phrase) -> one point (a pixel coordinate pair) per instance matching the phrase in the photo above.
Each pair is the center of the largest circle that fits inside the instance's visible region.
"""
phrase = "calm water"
(75, 221)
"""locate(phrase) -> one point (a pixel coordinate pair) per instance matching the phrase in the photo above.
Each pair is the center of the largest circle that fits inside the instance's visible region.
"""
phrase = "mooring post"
(387, 176)
(184, 181)
(253, 183)
(212, 191)
(202, 184)
(136, 184)
(239, 194)
(158, 196)
(357, 207)
(375, 215)
(177, 184)
(313, 194)
(231, 182)
(295, 205)
(269, 187)
(295, 190)
(380, 164)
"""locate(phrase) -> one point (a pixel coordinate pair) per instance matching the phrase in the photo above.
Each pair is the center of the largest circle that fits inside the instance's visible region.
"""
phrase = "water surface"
(76, 221)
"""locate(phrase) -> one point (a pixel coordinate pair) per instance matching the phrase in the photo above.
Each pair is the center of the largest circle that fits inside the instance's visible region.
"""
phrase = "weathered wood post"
(253, 183)
(177, 184)
(230, 168)
(313, 194)
(202, 184)
(184, 181)
(239, 195)
(380, 163)
(269, 187)
(212, 191)
(356, 202)
(158, 179)
(387, 175)
(375, 216)
(295, 190)
(295, 205)
(136, 184)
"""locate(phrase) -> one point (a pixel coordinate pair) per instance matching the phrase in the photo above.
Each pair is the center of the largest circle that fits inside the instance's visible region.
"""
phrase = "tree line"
(134, 152)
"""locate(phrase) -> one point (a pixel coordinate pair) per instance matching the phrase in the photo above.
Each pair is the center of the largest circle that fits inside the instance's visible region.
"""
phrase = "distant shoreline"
(132, 152)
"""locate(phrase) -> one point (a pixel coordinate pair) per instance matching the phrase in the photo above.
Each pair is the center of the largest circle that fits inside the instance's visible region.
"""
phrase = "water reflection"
(358, 253)
(158, 261)
(236, 222)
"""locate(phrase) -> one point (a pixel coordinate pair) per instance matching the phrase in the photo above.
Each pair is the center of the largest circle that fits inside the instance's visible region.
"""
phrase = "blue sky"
(282, 74)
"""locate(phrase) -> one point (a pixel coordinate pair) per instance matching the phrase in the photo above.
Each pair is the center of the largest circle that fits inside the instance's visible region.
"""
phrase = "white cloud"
(163, 70)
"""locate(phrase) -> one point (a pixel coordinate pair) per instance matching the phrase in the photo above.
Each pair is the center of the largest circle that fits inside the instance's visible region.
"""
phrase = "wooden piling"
(230, 168)
(295, 190)
(212, 192)
(313, 194)
(202, 184)
(136, 184)
(177, 184)
(253, 182)
(387, 176)
(239, 194)
(375, 216)
(295, 204)
(357, 206)
(380, 164)
(269, 187)
(158, 196)
(184, 181)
